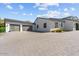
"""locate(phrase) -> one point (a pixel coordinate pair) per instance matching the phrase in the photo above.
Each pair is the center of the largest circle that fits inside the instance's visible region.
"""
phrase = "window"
(61, 24)
(37, 26)
(56, 25)
(45, 25)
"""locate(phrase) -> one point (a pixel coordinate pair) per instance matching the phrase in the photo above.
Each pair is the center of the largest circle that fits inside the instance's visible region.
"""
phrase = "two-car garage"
(16, 25)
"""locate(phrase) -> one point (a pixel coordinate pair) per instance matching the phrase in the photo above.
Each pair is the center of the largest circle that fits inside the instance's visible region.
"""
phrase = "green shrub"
(2, 29)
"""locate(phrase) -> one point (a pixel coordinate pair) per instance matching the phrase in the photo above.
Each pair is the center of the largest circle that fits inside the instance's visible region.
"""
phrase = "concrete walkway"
(39, 44)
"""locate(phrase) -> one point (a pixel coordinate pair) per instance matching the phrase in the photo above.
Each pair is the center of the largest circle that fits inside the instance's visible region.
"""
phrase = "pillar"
(74, 26)
(21, 28)
(7, 27)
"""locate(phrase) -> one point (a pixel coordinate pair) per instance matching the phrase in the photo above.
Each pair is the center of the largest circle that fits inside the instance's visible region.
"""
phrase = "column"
(21, 28)
(74, 26)
(7, 27)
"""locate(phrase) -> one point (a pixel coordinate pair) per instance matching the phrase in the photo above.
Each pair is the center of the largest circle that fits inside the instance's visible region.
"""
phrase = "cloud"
(14, 13)
(53, 4)
(44, 6)
(36, 5)
(50, 14)
(31, 14)
(21, 7)
(66, 14)
(73, 9)
(24, 14)
(65, 9)
(6, 3)
(53, 13)
(43, 15)
(9, 7)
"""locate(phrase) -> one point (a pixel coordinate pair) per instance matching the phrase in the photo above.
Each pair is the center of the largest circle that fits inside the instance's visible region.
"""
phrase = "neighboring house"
(45, 24)
(16, 25)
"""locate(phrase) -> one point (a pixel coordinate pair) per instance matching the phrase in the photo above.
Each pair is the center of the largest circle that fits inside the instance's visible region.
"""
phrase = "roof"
(52, 19)
(70, 18)
(13, 20)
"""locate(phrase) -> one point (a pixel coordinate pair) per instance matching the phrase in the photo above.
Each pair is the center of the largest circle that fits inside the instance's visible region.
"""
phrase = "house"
(16, 25)
(69, 23)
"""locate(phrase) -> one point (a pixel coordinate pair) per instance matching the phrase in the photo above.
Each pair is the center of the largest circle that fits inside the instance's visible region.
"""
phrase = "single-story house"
(45, 24)
(16, 25)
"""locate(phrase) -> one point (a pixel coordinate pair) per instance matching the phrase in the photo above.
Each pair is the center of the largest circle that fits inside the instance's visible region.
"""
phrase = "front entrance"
(77, 26)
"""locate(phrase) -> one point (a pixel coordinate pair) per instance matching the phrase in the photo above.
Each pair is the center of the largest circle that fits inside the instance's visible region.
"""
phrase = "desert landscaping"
(39, 44)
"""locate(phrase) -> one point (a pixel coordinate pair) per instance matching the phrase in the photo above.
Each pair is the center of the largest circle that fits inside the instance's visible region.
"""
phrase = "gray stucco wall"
(68, 25)
(50, 25)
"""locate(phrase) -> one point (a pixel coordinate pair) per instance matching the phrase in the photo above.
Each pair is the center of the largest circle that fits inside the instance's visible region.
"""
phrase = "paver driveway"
(41, 44)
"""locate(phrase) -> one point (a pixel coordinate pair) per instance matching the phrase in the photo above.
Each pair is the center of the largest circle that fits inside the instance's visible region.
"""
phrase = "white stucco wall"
(69, 25)
(50, 25)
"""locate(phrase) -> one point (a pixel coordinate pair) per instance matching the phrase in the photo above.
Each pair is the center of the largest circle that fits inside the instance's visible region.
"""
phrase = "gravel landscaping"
(39, 44)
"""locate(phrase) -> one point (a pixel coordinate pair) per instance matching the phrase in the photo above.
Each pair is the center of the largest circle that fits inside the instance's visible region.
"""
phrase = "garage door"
(25, 27)
(14, 27)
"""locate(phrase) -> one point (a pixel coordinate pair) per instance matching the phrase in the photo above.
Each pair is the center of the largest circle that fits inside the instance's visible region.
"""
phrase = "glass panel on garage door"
(25, 27)
(14, 27)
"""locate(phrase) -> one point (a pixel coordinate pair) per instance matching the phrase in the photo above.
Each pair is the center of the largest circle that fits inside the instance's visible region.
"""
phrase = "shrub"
(2, 29)
(56, 30)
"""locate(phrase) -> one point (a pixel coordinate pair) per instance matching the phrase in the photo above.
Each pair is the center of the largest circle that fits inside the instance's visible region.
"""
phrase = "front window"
(61, 24)
(45, 25)
(56, 25)
(37, 26)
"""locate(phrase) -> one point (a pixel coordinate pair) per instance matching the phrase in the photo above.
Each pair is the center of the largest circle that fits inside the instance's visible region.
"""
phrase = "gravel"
(39, 44)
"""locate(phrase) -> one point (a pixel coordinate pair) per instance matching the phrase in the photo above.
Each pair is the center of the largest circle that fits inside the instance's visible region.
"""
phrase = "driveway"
(39, 44)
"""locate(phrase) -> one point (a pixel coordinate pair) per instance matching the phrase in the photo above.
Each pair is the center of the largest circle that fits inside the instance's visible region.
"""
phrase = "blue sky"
(29, 11)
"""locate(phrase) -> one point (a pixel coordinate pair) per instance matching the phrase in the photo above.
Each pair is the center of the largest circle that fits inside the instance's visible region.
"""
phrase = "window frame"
(37, 26)
(56, 24)
(45, 25)
(61, 24)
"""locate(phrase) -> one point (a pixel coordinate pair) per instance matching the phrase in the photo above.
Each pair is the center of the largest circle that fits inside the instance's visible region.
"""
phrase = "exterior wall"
(33, 27)
(7, 24)
(50, 25)
(69, 25)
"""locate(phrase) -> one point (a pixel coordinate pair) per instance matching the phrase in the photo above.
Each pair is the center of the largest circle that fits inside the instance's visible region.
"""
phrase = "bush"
(56, 30)
(2, 29)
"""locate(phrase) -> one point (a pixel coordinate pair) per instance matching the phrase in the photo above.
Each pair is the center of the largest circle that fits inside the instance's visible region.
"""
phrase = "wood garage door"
(25, 27)
(14, 27)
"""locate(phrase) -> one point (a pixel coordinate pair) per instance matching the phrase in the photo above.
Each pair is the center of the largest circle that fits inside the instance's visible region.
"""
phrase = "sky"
(30, 11)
